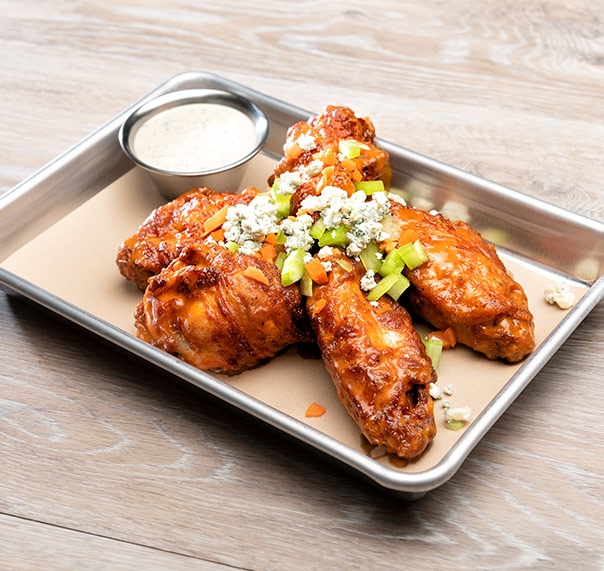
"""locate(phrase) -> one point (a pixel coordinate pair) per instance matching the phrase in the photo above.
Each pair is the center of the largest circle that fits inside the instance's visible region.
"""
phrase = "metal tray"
(540, 242)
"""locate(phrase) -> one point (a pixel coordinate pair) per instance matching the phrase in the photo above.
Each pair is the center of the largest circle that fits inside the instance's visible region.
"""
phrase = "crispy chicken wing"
(466, 286)
(376, 360)
(205, 309)
(169, 229)
(317, 142)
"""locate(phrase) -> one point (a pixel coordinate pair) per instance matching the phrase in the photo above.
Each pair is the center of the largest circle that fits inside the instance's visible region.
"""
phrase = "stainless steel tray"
(540, 242)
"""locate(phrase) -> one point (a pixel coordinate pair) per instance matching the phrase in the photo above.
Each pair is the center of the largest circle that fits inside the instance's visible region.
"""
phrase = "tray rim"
(408, 485)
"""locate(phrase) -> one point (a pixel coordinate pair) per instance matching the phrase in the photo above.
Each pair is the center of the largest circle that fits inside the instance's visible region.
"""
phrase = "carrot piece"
(256, 274)
(316, 271)
(356, 175)
(293, 151)
(216, 220)
(408, 235)
(348, 164)
(320, 305)
(447, 336)
(268, 252)
(218, 235)
(329, 157)
(271, 239)
(315, 410)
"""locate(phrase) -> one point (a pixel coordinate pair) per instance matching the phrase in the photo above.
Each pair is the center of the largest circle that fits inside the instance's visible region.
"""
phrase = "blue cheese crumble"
(362, 217)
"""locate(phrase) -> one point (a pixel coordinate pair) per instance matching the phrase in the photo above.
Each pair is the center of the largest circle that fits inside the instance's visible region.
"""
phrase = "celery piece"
(280, 260)
(344, 264)
(293, 267)
(434, 349)
(334, 237)
(370, 186)
(392, 264)
(371, 257)
(455, 424)
(399, 286)
(276, 185)
(350, 148)
(413, 254)
(306, 285)
(282, 203)
(281, 237)
(317, 229)
(382, 287)
(232, 246)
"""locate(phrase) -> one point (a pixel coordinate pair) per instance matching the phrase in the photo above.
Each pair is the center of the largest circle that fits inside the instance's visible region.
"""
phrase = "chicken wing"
(169, 229)
(376, 360)
(205, 309)
(466, 286)
(313, 151)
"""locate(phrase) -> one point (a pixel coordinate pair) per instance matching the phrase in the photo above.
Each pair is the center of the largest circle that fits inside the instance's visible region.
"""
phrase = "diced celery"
(282, 203)
(293, 267)
(317, 229)
(371, 257)
(334, 237)
(350, 148)
(382, 287)
(434, 348)
(232, 246)
(281, 237)
(276, 185)
(280, 260)
(413, 254)
(306, 285)
(399, 286)
(392, 264)
(370, 186)
(344, 264)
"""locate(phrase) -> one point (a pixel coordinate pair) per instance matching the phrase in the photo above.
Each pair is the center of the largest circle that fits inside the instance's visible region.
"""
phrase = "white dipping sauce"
(195, 137)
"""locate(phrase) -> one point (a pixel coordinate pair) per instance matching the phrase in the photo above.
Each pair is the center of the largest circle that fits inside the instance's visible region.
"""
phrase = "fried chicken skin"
(465, 286)
(169, 229)
(205, 309)
(317, 141)
(376, 360)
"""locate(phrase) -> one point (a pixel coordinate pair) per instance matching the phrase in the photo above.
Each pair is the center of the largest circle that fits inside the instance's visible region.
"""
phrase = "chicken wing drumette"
(376, 360)
(206, 309)
(465, 286)
(169, 229)
(321, 151)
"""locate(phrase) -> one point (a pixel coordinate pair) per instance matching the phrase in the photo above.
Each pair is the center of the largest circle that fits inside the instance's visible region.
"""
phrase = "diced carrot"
(348, 164)
(216, 220)
(271, 238)
(218, 235)
(256, 274)
(320, 305)
(356, 175)
(268, 252)
(293, 151)
(447, 336)
(329, 157)
(315, 410)
(408, 235)
(316, 271)
(387, 245)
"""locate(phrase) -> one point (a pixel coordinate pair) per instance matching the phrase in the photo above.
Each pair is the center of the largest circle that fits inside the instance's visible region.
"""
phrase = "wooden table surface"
(105, 465)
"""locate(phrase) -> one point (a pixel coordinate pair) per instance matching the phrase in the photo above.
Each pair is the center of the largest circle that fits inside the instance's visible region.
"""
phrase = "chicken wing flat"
(205, 309)
(465, 286)
(376, 360)
(316, 151)
(169, 229)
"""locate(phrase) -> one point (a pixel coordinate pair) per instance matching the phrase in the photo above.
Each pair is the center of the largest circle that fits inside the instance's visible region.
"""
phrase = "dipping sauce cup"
(195, 137)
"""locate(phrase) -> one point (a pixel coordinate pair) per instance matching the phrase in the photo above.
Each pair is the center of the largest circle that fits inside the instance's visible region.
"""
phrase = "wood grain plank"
(28, 545)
